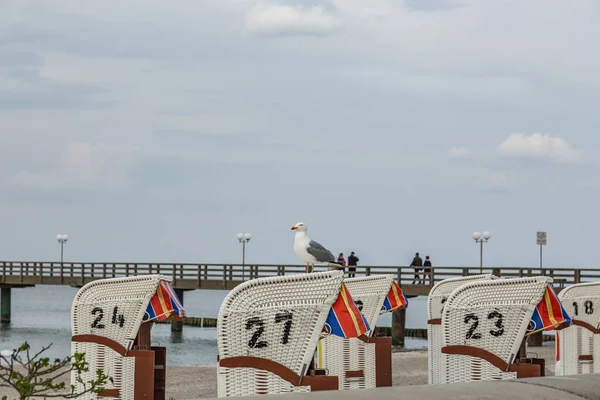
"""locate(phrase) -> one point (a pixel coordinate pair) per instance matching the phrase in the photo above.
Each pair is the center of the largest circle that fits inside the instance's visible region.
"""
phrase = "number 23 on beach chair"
(484, 325)
(364, 361)
(111, 321)
(435, 304)
(578, 345)
(268, 329)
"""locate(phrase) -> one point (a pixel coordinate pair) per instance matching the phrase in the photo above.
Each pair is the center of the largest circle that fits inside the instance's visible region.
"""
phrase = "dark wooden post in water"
(536, 339)
(398, 327)
(5, 304)
(177, 326)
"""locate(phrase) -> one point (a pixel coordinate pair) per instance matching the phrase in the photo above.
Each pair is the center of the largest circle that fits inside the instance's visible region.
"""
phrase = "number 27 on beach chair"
(268, 329)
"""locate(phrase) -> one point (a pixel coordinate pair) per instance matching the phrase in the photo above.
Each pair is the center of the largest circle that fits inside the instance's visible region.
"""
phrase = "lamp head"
(476, 235)
(59, 237)
(240, 236)
(247, 236)
(487, 235)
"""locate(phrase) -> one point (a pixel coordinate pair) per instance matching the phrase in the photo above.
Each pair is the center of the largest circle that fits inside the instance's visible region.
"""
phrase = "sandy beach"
(408, 368)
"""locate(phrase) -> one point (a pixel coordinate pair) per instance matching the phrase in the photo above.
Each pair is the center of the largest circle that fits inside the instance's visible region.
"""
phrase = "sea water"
(41, 315)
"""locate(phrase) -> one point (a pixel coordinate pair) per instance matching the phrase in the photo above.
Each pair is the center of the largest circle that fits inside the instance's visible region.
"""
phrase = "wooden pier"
(186, 276)
(227, 276)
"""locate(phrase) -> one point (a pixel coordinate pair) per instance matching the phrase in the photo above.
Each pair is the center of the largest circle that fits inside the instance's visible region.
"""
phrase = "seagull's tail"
(334, 265)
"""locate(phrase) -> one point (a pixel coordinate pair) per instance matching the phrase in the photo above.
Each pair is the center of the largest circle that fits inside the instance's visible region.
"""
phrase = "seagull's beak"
(294, 228)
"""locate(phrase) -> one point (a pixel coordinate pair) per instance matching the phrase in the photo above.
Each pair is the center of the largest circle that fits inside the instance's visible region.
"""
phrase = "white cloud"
(539, 146)
(275, 19)
(459, 152)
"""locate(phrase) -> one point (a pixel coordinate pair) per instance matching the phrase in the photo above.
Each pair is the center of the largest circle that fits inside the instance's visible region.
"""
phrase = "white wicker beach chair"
(106, 318)
(363, 362)
(484, 324)
(578, 346)
(267, 333)
(435, 304)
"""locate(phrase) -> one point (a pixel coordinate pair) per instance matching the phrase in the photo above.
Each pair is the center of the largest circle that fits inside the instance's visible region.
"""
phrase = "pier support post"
(398, 327)
(5, 304)
(177, 326)
(536, 339)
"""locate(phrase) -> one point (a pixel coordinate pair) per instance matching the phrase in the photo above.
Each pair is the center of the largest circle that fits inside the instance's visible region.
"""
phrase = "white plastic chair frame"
(267, 333)
(578, 346)
(105, 318)
(364, 362)
(435, 304)
(484, 323)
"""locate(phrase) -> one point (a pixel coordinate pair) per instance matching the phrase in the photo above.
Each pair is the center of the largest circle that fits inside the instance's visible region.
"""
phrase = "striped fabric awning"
(165, 303)
(395, 299)
(549, 314)
(344, 318)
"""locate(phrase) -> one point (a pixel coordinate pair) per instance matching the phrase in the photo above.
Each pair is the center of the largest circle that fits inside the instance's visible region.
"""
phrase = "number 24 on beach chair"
(364, 361)
(268, 329)
(111, 321)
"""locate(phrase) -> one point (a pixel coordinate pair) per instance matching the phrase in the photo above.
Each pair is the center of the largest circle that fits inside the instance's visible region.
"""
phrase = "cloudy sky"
(156, 131)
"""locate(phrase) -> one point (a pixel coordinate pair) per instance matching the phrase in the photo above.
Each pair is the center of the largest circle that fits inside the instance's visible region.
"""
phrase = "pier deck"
(227, 276)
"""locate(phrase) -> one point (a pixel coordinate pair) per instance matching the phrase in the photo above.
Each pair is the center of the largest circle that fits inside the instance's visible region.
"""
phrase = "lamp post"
(481, 238)
(62, 239)
(243, 239)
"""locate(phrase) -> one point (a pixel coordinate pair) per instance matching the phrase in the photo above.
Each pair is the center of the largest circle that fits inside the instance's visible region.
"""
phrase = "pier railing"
(227, 276)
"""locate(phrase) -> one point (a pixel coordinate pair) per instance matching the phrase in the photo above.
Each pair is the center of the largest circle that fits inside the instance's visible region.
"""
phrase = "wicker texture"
(265, 306)
(582, 303)
(371, 292)
(435, 304)
(99, 299)
(338, 355)
(235, 381)
(492, 315)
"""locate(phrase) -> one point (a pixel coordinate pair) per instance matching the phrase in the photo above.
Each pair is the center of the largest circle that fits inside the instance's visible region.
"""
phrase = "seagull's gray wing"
(319, 252)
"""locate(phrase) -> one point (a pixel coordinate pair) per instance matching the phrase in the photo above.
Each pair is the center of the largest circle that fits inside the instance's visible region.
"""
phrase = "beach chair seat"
(578, 345)
(435, 304)
(366, 361)
(110, 323)
(483, 328)
(267, 333)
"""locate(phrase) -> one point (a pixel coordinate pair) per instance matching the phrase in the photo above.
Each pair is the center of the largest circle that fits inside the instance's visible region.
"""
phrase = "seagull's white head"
(300, 227)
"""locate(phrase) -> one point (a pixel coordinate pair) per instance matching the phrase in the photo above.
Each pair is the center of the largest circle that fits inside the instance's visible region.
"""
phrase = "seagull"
(308, 250)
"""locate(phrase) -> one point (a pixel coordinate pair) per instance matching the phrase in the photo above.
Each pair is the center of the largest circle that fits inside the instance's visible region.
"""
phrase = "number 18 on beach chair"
(366, 361)
(578, 345)
(268, 329)
(111, 321)
(484, 324)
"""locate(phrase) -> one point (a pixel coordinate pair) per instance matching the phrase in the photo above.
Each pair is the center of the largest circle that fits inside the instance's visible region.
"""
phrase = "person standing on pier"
(341, 260)
(427, 270)
(352, 262)
(416, 263)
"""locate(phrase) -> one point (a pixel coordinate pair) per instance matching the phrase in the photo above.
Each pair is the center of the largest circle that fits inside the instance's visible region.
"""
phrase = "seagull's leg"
(307, 267)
